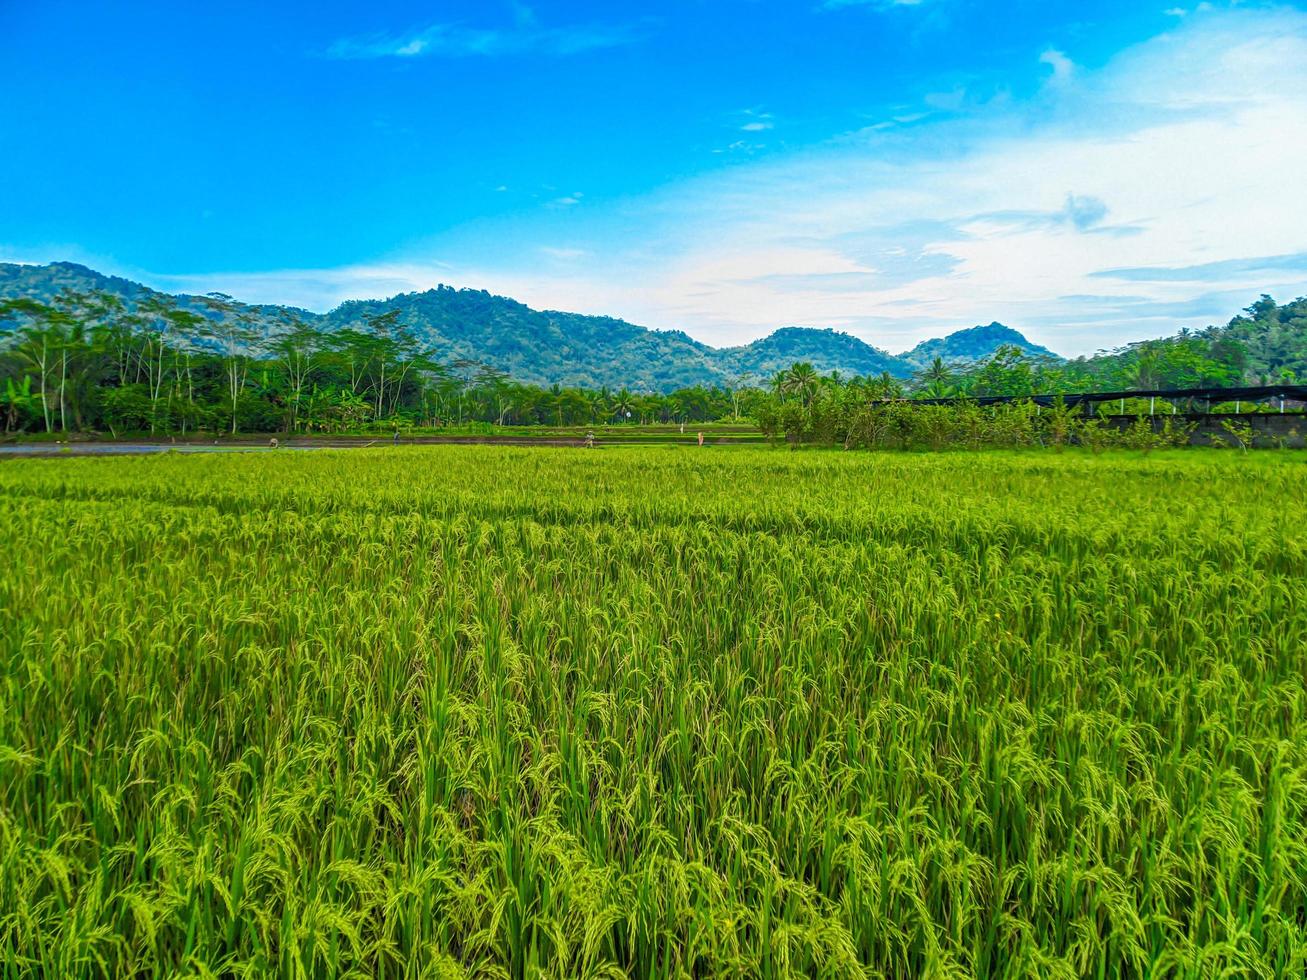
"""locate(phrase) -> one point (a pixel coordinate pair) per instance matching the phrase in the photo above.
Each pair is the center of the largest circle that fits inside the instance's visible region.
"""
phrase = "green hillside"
(541, 347)
(972, 345)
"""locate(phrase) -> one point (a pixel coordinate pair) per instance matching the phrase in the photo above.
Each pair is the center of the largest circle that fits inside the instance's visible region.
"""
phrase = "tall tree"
(801, 381)
(38, 343)
(232, 331)
(297, 350)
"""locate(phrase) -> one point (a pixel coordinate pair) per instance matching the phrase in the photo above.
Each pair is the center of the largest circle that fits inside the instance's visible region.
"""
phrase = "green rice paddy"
(491, 712)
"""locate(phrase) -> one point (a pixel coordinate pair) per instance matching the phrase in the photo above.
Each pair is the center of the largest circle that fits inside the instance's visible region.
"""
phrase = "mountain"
(546, 347)
(826, 350)
(45, 282)
(543, 347)
(970, 345)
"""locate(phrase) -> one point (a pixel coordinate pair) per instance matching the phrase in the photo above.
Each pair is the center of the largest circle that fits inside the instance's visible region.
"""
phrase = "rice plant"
(475, 711)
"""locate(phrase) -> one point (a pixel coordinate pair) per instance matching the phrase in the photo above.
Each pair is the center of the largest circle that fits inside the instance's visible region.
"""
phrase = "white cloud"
(877, 4)
(409, 48)
(563, 254)
(457, 40)
(311, 289)
(1161, 190)
(1183, 151)
(1185, 12)
(1063, 67)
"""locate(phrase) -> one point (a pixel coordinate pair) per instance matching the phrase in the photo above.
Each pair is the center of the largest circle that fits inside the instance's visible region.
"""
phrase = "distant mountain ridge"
(546, 347)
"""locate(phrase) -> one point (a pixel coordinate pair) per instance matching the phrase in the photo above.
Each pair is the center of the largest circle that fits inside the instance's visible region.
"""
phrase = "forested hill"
(971, 345)
(542, 347)
(1265, 344)
(547, 347)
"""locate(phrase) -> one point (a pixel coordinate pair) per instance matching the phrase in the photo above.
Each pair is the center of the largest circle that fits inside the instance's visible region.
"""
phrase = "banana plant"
(17, 399)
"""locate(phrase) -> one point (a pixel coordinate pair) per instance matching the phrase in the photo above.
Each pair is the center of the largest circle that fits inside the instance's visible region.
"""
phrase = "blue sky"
(1090, 173)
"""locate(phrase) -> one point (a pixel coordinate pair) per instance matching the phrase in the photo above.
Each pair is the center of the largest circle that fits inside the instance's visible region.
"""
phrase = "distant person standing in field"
(701, 438)
(589, 440)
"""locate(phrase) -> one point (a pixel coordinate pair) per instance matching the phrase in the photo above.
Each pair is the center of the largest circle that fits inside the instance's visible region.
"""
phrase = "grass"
(478, 711)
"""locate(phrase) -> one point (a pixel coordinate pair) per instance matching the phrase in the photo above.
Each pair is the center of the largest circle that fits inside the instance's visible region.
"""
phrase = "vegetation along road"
(485, 711)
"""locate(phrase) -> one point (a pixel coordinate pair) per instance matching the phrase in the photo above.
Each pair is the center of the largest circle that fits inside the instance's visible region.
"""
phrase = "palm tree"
(597, 402)
(938, 373)
(778, 382)
(937, 389)
(623, 404)
(934, 381)
(801, 381)
(1142, 373)
(556, 400)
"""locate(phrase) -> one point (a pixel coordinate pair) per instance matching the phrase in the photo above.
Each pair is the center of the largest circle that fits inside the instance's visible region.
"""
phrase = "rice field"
(489, 712)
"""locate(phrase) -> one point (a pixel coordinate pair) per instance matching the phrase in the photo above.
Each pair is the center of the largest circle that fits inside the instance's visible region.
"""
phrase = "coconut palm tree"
(623, 404)
(778, 383)
(938, 374)
(597, 403)
(556, 401)
(801, 380)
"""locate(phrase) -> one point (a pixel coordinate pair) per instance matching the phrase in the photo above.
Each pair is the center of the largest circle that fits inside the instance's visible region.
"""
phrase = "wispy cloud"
(922, 18)
(311, 289)
(1101, 187)
(1162, 189)
(524, 36)
(1202, 8)
(562, 253)
(1267, 267)
(756, 121)
(878, 4)
(1063, 68)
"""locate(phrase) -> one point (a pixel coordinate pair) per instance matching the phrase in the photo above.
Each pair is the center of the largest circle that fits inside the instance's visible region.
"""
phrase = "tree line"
(1267, 343)
(89, 363)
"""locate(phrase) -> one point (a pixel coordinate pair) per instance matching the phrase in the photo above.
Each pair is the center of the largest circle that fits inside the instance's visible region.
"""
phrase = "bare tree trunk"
(399, 390)
(63, 380)
(231, 385)
(45, 402)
